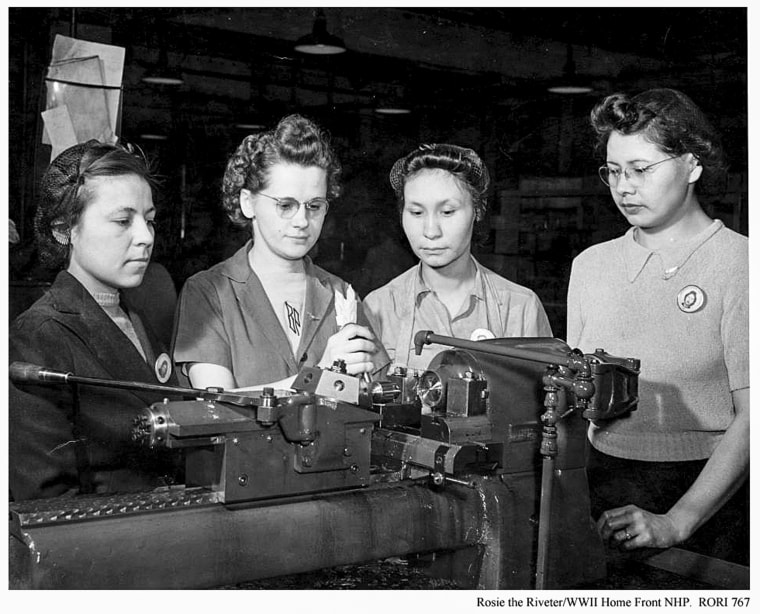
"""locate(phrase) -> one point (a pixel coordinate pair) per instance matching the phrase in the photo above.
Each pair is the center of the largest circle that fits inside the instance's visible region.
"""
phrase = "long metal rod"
(29, 373)
(427, 337)
(544, 522)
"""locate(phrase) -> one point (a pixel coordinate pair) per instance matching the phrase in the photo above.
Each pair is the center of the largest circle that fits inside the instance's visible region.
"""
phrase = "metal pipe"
(427, 337)
(544, 522)
(215, 545)
(25, 372)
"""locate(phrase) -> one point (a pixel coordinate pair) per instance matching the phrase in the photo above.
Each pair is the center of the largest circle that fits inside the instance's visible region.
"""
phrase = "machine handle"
(24, 372)
(427, 337)
(28, 372)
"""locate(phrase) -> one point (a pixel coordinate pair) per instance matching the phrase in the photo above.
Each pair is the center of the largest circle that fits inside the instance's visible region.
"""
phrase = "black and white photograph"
(403, 307)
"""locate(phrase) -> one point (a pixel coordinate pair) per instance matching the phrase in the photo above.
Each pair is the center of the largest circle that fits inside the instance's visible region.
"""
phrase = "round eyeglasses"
(635, 175)
(287, 206)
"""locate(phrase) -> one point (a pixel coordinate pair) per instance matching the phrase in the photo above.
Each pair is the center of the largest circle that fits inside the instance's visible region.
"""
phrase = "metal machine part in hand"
(443, 466)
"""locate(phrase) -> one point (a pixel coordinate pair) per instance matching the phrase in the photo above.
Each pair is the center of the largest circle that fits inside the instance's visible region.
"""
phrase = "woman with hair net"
(95, 222)
(673, 292)
(441, 194)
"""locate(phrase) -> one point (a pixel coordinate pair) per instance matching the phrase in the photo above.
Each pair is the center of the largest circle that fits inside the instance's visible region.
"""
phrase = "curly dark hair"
(65, 191)
(667, 118)
(461, 162)
(295, 140)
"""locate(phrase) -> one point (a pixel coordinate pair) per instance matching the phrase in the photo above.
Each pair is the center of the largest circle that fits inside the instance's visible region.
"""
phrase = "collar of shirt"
(673, 258)
(238, 269)
(421, 289)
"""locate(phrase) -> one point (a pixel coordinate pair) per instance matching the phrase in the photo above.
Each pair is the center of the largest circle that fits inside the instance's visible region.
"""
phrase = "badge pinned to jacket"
(163, 367)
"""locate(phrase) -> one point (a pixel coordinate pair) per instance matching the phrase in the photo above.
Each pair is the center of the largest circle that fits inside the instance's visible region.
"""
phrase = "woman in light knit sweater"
(673, 292)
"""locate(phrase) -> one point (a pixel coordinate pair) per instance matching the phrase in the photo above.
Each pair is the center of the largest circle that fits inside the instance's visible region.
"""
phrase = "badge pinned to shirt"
(479, 334)
(691, 299)
(163, 367)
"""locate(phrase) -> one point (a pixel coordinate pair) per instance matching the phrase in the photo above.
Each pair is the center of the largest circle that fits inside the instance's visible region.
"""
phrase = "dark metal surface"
(40, 512)
(305, 481)
(204, 546)
(483, 538)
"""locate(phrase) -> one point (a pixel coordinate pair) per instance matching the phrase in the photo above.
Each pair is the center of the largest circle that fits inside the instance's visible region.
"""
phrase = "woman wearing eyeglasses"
(267, 311)
(673, 292)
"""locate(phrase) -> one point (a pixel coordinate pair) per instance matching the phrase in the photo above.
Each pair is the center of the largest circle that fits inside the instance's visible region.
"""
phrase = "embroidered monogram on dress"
(294, 318)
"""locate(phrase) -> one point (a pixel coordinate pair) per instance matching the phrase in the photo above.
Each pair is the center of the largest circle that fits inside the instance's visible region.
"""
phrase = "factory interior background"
(484, 78)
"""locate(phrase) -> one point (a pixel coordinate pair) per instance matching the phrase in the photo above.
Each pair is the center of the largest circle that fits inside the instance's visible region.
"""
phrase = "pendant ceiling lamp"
(162, 73)
(320, 41)
(570, 82)
(393, 102)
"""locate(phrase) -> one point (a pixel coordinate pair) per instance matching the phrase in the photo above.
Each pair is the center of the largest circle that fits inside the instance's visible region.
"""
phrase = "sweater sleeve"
(735, 326)
(575, 305)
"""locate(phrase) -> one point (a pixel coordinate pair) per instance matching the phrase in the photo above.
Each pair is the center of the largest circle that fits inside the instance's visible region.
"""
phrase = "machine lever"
(439, 479)
(24, 372)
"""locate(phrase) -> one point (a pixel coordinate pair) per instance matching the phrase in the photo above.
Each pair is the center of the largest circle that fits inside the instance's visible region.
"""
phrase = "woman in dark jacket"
(95, 220)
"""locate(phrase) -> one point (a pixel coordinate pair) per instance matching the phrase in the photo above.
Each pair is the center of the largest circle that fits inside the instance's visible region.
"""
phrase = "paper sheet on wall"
(77, 85)
(60, 129)
(87, 78)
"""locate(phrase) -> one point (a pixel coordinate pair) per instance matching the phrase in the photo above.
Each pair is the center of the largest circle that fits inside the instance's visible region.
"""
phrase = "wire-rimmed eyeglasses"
(635, 175)
(287, 206)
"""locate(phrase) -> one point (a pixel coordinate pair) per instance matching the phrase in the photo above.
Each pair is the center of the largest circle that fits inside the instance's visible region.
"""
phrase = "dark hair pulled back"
(295, 140)
(65, 191)
(667, 118)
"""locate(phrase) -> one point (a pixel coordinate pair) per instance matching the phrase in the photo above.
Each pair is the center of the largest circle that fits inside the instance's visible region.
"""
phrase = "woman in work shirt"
(267, 311)
(441, 194)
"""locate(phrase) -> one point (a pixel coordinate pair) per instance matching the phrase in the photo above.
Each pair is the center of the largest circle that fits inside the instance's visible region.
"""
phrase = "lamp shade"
(162, 73)
(320, 41)
(392, 103)
(570, 82)
(249, 124)
(165, 77)
(392, 109)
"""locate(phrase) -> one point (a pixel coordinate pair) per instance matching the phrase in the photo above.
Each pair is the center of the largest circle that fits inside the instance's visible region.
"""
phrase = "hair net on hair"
(457, 159)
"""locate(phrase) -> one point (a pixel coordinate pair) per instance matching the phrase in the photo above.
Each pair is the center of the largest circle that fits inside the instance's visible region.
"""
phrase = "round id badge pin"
(163, 367)
(479, 334)
(691, 299)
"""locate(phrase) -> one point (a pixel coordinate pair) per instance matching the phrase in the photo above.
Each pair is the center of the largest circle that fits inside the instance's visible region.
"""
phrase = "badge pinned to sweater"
(691, 299)
(480, 334)
(163, 367)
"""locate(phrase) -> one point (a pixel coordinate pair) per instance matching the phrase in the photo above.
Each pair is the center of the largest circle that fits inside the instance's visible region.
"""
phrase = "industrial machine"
(474, 468)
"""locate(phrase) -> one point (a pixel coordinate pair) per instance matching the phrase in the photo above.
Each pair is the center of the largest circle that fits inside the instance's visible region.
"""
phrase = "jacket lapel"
(79, 312)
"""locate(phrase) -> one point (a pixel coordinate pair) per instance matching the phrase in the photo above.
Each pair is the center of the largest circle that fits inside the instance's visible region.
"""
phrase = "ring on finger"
(628, 536)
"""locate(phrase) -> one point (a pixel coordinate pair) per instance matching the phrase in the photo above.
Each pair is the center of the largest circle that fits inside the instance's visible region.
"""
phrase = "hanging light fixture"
(320, 41)
(162, 73)
(392, 108)
(394, 103)
(153, 136)
(249, 116)
(570, 82)
(249, 125)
